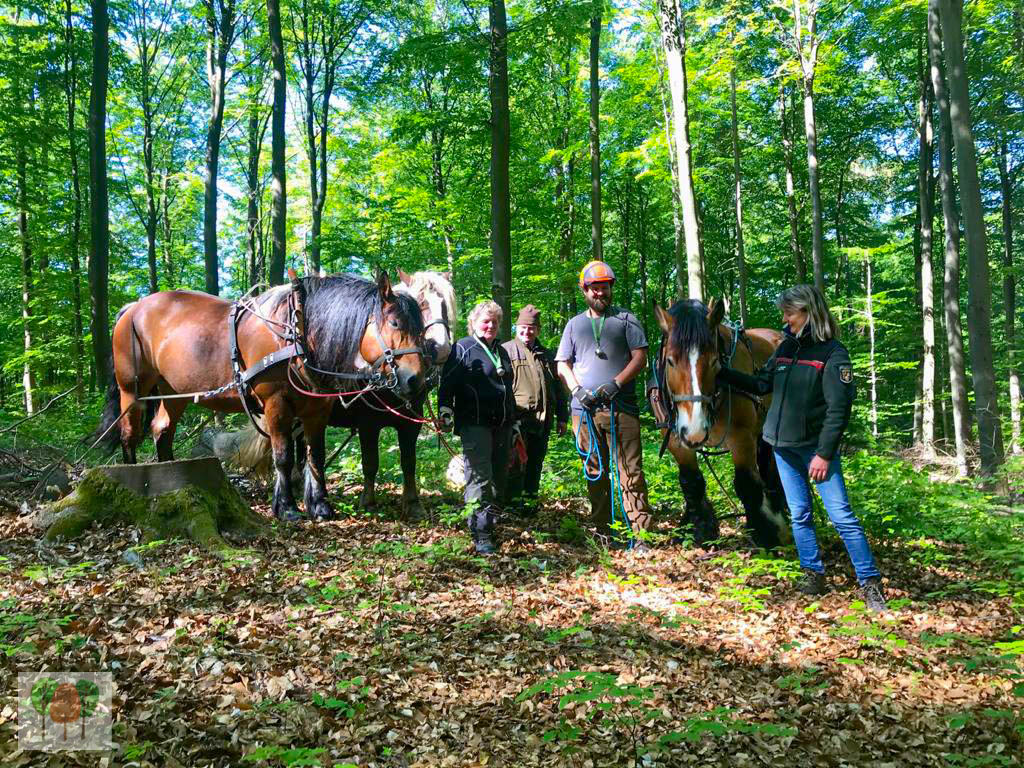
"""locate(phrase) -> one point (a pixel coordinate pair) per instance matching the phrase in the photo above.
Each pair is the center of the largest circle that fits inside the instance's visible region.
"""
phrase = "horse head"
(688, 365)
(436, 298)
(394, 343)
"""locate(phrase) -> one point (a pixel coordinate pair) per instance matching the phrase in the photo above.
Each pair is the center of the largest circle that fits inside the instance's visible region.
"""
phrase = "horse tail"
(774, 506)
(108, 433)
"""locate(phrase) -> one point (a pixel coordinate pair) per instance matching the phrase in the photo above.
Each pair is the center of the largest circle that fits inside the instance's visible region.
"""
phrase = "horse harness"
(295, 349)
(666, 399)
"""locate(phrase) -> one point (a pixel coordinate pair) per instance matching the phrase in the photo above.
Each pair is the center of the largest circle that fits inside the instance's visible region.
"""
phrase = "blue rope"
(616, 481)
(587, 420)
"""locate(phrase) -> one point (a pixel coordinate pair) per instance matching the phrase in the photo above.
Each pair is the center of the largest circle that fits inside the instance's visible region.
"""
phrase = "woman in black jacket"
(810, 378)
(475, 397)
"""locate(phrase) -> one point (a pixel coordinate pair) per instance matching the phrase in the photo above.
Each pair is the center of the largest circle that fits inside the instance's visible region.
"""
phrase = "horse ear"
(404, 276)
(384, 286)
(716, 311)
(447, 276)
(665, 321)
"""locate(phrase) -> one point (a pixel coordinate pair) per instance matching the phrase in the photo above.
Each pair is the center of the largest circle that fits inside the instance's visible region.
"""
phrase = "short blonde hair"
(485, 307)
(822, 324)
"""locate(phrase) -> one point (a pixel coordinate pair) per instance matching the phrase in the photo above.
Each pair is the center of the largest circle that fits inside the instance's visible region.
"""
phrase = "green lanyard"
(494, 358)
(597, 326)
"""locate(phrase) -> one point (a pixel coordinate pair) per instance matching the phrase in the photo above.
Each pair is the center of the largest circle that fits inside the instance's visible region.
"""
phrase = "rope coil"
(587, 420)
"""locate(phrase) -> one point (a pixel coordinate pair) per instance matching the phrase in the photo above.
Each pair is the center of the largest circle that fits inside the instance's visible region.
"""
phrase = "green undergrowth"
(896, 501)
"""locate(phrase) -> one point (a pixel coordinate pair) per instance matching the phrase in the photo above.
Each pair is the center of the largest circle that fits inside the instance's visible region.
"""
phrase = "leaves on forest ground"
(371, 641)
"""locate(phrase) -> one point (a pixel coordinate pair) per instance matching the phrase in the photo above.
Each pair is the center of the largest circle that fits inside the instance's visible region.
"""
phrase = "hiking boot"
(484, 544)
(874, 598)
(641, 548)
(812, 583)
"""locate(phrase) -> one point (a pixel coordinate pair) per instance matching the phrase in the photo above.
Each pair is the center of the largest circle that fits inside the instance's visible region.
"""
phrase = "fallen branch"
(32, 416)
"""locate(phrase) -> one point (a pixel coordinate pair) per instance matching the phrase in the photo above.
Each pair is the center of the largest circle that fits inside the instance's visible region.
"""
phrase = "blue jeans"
(793, 464)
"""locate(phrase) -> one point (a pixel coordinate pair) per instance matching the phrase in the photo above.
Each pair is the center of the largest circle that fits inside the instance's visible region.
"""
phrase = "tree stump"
(192, 499)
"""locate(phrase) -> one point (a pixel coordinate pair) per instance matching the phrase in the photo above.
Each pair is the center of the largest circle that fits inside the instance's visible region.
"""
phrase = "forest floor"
(381, 641)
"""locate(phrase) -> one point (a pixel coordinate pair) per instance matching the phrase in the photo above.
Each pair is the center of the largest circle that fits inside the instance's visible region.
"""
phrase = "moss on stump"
(191, 499)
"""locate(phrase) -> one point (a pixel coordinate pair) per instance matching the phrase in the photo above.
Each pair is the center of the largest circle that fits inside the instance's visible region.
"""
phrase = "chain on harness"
(382, 374)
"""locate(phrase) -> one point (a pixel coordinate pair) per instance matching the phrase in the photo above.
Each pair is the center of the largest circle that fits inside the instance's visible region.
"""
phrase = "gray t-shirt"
(620, 335)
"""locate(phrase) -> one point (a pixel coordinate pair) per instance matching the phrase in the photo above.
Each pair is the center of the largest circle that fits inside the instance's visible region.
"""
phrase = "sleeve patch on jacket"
(846, 374)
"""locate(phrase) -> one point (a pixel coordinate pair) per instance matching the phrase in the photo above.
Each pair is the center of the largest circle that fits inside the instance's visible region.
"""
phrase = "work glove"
(586, 398)
(447, 418)
(607, 391)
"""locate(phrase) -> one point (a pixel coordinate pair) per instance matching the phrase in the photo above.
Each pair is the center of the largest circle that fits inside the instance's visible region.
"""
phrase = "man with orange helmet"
(602, 351)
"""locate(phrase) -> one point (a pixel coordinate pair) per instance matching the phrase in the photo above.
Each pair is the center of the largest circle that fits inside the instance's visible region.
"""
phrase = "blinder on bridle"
(443, 322)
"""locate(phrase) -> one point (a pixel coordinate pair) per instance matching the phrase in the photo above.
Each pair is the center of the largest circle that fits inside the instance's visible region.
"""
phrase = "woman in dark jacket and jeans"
(476, 398)
(810, 378)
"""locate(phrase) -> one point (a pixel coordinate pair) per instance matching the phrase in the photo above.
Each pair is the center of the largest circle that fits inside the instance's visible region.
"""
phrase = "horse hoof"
(288, 515)
(413, 509)
(322, 511)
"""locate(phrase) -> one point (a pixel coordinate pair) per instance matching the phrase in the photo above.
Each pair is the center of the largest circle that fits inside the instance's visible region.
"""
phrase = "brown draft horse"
(370, 412)
(176, 342)
(698, 415)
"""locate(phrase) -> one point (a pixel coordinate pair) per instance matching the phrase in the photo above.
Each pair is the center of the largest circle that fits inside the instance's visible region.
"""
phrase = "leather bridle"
(668, 399)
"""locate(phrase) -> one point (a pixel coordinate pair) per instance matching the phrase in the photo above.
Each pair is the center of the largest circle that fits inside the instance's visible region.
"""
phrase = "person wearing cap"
(475, 398)
(541, 403)
(602, 351)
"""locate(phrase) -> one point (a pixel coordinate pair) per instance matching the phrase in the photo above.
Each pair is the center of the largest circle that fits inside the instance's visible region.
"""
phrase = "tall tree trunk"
(951, 226)
(168, 238)
(677, 219)
(673, 39)
(794, 223)
(279, 193)
(642, 219)
(312, 153)
(979, 292)
(254, 136)
(152, 220)
(741, 261)
(27, 289)
(564, 197)
(220, 34)
(441, 193)
(924, 206)
(1009, 292)
(872, 367)
(596, 235)
(807, 48)
(501, 235)
(843, 261)
(71, 92)
(318, 57)
(810, 129)
(99, 222)
(626, 221)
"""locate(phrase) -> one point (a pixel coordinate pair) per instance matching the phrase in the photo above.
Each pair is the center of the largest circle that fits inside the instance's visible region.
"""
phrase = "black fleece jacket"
(812, 390)
(471, 387)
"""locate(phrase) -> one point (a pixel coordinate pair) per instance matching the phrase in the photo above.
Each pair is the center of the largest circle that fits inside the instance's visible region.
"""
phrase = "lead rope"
(616, 481)
(587, 421)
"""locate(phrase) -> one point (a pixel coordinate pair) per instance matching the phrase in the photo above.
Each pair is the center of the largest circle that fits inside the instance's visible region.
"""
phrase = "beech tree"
(979, 311)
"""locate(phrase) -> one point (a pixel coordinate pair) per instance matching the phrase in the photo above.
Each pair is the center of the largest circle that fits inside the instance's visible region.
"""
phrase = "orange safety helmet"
(596, 272)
